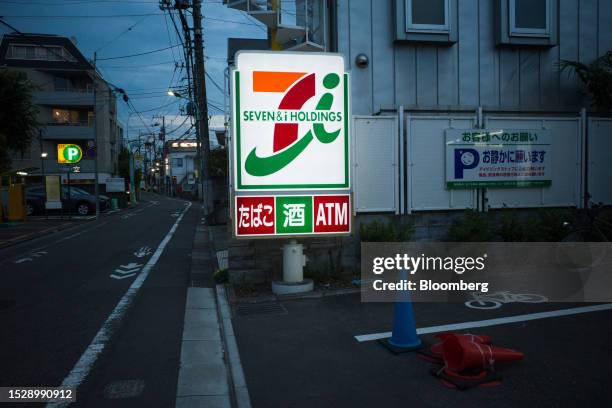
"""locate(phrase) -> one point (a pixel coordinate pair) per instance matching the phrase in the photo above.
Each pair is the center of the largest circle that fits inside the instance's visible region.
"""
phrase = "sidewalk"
(210, 373)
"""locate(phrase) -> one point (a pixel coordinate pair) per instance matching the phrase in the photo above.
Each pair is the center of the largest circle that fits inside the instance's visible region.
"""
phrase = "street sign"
(295, 215)
(115, 185)
(290, 121)
(69, 153)
(498, 158)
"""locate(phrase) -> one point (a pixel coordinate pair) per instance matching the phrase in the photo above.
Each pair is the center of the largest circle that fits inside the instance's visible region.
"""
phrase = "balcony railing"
(72, 97)
(300, 24)
(68, 131)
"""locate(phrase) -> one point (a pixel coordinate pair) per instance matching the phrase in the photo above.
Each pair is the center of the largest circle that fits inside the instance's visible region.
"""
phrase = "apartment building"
(421, 67)
(70, 112)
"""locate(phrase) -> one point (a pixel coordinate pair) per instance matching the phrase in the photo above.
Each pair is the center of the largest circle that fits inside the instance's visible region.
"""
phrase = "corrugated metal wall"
(473, 72)
(600, 170)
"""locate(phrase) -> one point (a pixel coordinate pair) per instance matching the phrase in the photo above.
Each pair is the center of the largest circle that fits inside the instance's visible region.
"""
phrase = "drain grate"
(6, 304)
(257, 309)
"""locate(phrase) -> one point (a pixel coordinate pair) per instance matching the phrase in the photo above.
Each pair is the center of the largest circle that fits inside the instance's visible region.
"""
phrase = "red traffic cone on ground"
(462, 354)
(434, 353)
(437, 348)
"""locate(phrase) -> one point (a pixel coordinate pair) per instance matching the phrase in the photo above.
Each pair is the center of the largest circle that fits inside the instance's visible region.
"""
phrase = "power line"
(83, 16)
(137, 66)
(126, 30)
(215, 83)
(139, 54)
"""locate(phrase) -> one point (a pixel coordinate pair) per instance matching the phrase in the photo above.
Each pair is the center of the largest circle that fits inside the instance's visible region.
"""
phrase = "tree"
(124, 163)
(18, 123)
(218, 162)
(597, 76)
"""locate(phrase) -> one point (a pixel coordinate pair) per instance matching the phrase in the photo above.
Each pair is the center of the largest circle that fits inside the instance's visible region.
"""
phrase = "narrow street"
(57, 302)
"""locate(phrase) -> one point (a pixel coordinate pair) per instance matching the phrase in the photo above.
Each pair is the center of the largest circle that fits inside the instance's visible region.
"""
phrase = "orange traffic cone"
(461, 354)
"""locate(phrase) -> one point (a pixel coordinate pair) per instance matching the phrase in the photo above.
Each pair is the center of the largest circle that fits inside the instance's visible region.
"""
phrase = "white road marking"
(83, 367)
(126, 271)
(131, 265)
(142, 252)
(30, 258)
(123, 272)
(493, 322)
(122, 277)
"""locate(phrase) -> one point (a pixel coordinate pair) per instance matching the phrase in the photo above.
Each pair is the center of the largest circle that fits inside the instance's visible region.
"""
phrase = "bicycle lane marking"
(502, 298)
(493, 322)
(84, 365)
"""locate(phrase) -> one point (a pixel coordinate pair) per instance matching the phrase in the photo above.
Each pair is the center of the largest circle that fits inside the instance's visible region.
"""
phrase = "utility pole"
(95, 129)
(202, 109)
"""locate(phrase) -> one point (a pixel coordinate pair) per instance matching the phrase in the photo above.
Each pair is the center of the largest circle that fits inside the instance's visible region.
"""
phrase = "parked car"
(81, 201)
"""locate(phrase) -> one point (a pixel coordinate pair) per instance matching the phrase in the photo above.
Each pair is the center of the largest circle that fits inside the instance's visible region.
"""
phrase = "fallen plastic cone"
(438, 347)
(461, 354)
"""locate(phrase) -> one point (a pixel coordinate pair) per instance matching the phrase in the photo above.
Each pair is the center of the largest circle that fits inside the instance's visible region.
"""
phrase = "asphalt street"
(306, 355)
(56, 293)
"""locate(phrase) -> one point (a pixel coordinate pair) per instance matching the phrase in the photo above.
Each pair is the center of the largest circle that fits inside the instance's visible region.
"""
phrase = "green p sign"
(69, 153)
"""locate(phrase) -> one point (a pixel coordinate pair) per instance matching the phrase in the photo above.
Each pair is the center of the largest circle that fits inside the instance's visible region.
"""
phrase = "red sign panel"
(332, 213)
(292, 215)
(255, 215)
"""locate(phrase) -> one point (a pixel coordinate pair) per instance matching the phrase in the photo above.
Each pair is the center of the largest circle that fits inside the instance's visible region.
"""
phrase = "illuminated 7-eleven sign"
(290, 120)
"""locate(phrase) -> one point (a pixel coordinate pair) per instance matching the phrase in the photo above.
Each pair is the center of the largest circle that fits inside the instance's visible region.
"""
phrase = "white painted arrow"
(122, 277)
(131, 265)
(123, 272)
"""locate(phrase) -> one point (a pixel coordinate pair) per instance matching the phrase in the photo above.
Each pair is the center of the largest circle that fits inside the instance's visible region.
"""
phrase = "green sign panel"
(294, 215)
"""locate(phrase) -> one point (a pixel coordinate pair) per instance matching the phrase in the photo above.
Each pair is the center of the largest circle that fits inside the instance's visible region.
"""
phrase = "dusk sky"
(104, 27)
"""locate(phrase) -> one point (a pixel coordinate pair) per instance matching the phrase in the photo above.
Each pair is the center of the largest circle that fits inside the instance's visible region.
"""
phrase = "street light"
(44, 155)
(175, 94)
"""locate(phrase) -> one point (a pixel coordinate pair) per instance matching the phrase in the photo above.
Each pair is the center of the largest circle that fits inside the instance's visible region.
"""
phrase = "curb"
(238, 386)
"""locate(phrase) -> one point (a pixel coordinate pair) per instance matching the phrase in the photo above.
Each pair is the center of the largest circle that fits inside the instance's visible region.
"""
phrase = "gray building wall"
(474, 71)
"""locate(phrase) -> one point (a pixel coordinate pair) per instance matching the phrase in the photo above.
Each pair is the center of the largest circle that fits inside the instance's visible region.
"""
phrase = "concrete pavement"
(308, 356)
(54, 306)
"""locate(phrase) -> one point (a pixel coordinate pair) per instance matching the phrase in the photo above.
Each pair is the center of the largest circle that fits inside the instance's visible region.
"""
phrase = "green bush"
(386, 231)
(221, 275)
(510, 228)
(548, 225)
(472, 226)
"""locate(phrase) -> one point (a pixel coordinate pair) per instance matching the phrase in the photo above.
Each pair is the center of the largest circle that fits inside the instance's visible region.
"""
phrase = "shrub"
(386, 231)
(510, 228)
(472, 226)
(548, 225)
(220, 275)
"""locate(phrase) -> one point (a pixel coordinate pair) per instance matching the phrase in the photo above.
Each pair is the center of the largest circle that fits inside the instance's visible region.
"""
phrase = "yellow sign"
(69, 153)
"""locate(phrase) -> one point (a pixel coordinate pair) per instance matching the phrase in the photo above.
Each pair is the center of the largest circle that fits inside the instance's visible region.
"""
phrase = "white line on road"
(83, 367)
(493, 322)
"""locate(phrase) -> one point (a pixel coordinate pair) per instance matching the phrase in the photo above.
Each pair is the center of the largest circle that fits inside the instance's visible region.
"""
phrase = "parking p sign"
(69, 153)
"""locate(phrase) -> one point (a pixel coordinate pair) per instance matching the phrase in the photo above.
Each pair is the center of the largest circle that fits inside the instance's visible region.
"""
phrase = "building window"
(68, 117)
(32, 52)
(530, 17)
(427, 15)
